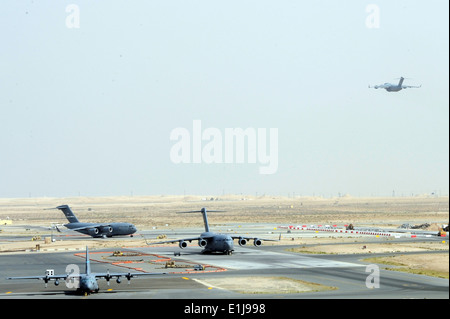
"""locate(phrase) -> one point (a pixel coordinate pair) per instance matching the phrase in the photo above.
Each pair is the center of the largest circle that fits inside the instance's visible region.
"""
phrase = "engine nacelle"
(93, 231)
(202, 242)
(107, 229)
(242, 241)
(257, 242)
(182, 244)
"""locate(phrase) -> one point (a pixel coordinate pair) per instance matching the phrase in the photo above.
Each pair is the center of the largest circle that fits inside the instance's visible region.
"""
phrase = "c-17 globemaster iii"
(214, 242)
(394, 87)
(96, 230)
(86, 282)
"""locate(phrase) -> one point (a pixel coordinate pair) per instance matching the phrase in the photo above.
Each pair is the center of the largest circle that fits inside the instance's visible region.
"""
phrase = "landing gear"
(86, 292)
(228, 252)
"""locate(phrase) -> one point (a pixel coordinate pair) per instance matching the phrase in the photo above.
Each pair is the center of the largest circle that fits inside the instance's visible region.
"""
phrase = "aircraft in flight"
(394, 87)
(86, 283)
(96, 230)
(214, 242)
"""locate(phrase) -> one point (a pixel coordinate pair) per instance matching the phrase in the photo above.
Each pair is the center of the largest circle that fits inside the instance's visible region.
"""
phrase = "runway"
(252, 259)
(346, 273)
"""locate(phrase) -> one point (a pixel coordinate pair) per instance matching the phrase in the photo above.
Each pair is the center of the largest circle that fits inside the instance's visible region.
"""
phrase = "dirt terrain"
(148, 211)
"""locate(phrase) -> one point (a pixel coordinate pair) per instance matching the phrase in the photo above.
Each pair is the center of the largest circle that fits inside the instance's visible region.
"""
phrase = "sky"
(91, 93)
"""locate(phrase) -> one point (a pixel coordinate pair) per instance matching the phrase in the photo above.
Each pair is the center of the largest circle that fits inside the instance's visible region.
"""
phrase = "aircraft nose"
(90, 286)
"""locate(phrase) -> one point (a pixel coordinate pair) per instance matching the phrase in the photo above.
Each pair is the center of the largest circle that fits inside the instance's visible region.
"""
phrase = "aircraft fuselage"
(218, 243)
(393, 88)
(88, 284)
(113, 229)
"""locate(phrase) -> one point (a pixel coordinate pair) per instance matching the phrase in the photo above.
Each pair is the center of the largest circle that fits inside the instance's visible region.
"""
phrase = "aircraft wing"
(411, 86)
(90, 226)
(178, 240)
(128, 275)
(253, 238)
(378, 86)
(54, 277)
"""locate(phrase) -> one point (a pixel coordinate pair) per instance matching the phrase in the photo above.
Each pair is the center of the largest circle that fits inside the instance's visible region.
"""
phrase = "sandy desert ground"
(147, 212)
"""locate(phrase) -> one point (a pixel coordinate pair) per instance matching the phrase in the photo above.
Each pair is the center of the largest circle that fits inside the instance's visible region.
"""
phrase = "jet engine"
(257, 242)
(182, 244)
(202, 242)
(242, 241)
(107, 229)
(93, 231)
(56, 282)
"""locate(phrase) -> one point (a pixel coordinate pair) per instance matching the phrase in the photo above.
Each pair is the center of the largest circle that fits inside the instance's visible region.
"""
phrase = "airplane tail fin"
(401, 81)
(68, 213)
(205, 219)
(205, 216)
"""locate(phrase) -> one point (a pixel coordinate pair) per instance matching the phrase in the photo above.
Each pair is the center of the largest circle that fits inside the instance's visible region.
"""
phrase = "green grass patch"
(304, 250)
(404, 267)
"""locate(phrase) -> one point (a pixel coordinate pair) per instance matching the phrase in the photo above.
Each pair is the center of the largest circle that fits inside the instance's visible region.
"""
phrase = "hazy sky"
(87, 105)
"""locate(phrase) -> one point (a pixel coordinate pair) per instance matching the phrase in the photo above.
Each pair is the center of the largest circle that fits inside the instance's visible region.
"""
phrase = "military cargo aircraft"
(96, 230)
(394, 87)
(86, 283)
(214, 242)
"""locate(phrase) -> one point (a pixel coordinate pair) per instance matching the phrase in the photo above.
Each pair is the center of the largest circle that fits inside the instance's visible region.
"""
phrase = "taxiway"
(344, 272)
